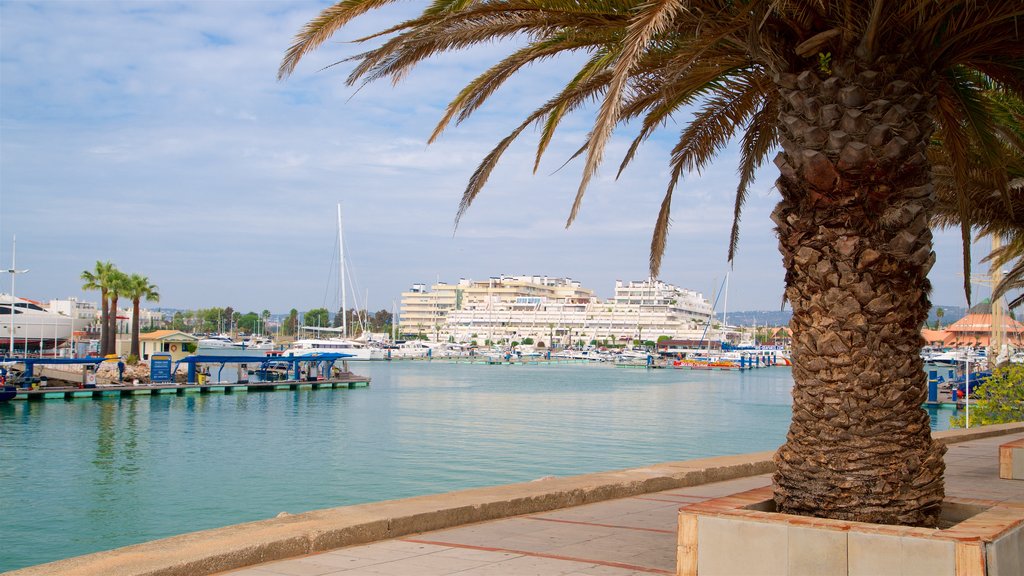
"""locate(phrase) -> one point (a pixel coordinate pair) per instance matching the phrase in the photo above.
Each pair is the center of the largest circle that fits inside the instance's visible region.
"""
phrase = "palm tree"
(999, 210)
(138, 288)
(853, 93)
(116, 285)
(99, 278)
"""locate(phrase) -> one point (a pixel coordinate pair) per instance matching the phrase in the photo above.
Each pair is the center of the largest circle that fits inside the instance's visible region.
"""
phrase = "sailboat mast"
(14, 270)
(725, 304)
(341, 277)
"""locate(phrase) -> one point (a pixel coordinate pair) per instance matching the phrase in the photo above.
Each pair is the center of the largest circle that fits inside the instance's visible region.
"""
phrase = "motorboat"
(31, 327)
(314, 346)
(223, 345)
(408, 349)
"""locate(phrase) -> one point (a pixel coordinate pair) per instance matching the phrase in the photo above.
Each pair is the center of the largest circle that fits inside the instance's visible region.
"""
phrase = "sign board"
(160, 368)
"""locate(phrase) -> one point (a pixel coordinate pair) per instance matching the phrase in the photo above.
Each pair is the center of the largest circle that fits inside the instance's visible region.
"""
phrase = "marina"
(117, 470)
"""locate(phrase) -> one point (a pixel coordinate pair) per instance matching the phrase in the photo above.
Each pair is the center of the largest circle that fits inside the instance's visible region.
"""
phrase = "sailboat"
(340, 343)
(704, 359)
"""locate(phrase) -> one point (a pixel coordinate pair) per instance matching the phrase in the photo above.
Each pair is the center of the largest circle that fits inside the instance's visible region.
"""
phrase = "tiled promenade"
(629, 536)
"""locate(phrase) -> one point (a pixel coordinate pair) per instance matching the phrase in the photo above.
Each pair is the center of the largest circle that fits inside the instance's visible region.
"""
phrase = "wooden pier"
(70, 393)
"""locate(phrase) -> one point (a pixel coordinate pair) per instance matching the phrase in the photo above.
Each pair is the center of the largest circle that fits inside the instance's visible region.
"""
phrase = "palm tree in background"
(986, 207)
(854, 94)
(138, 288)
(99, 278)
(116, 286)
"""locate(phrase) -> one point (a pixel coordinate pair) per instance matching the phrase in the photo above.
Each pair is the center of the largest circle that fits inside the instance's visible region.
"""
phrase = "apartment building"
(551, 310)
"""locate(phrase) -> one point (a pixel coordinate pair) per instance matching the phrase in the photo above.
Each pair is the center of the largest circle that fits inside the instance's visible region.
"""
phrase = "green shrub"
(998, 400)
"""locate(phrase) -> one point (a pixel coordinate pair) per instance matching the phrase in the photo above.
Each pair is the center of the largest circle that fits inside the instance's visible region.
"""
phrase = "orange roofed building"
(975, 329)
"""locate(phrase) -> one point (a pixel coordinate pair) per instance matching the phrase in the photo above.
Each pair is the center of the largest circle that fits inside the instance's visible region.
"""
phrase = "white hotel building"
(559, 310)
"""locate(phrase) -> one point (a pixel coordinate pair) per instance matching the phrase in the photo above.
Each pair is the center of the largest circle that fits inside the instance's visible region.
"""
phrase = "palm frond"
(653, 19)
(319, 29)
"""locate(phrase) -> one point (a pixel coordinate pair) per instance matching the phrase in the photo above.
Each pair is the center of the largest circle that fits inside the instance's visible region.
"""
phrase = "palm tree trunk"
(104, 312)
(135, 328)
(112, 326)
(853, 228)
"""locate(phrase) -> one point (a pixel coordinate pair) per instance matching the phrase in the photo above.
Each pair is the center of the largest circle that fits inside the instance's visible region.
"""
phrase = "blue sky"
(155, 135)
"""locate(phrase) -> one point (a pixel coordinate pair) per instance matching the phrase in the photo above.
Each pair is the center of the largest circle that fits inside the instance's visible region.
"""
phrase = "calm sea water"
(86, 475)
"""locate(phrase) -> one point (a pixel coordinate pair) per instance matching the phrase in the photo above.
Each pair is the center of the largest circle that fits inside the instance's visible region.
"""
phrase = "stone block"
(817, 552)
(923, 557)
(736, 547)
(1005, 556)
(1017, 471)
(873, 554)
(1011, 460)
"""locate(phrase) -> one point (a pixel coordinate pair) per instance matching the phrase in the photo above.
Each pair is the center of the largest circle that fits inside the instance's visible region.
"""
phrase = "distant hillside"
(759, 317)
(950, 314)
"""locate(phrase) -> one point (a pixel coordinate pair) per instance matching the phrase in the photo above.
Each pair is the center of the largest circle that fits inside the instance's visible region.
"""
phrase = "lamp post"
(13, 271)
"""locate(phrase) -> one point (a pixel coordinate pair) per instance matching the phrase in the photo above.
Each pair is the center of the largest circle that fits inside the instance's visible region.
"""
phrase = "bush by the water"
(998, 400)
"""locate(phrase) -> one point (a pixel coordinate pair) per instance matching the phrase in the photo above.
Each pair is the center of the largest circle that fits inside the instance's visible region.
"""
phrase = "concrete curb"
(241, 545)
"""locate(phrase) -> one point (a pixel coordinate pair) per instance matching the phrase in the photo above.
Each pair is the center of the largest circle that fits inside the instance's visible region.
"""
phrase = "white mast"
(725, 304)
(341, 273)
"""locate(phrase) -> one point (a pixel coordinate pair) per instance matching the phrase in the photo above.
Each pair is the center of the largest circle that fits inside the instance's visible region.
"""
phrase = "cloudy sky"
(155, 135)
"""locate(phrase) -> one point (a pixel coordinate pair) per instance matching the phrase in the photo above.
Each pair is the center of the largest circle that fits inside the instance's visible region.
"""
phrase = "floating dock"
(68, 393)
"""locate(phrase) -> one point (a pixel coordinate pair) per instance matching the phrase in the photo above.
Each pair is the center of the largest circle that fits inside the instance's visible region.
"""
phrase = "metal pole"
(967, 393)
(13, 271)
(341, 276)
(14, 243)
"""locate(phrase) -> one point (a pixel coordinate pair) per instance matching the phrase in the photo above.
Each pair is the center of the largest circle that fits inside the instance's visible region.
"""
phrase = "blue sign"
(160, 368)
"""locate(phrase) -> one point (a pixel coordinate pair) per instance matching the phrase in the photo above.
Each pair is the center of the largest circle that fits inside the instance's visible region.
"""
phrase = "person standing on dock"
(120, 370)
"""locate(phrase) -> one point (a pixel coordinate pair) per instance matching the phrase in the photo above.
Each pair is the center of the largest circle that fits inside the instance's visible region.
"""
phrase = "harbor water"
(85, 475)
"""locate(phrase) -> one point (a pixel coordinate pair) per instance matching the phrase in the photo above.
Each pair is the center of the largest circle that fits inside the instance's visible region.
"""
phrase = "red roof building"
(975, 329)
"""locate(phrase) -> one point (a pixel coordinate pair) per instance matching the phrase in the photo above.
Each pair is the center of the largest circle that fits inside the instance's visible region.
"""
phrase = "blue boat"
(977, 379)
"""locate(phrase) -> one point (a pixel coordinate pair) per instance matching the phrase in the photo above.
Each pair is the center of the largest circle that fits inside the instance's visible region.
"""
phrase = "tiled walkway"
(631, 536)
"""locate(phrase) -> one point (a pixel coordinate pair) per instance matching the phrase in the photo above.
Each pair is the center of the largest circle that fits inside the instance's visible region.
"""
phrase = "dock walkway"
(101, 391)
(624, 537)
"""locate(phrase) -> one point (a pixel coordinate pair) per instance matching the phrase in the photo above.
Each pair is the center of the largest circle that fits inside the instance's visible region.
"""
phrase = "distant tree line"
(228, 320)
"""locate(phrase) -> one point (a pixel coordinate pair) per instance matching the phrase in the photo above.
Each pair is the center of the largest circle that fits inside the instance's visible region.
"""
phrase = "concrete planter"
(742, 535)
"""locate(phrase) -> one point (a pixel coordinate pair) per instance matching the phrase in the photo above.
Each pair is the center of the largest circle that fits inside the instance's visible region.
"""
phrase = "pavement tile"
(529, 566)
(661, 557)
(391, 550)
(607, 571)
(339, 560)
(474, 554)
(426, 565)
(296, 568)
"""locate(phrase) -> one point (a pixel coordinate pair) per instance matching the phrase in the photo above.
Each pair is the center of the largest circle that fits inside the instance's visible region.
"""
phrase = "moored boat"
(30, 327)
(221, 345)
(313, 346)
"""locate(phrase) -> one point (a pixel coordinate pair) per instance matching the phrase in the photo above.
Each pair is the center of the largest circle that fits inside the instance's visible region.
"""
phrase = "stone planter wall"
(742, 535)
